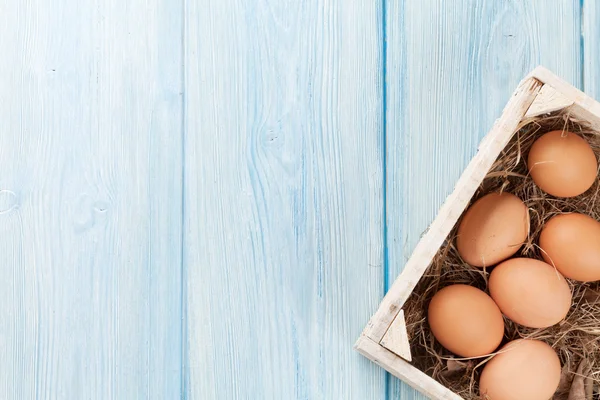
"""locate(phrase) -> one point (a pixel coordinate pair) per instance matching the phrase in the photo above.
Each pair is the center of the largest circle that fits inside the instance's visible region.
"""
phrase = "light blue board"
(90, 199)
(283, 197)
(240, 259)
(451, 68)
(590, 31)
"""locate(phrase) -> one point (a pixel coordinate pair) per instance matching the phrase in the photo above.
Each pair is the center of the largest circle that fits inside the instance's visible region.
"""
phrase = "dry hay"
(576, 338)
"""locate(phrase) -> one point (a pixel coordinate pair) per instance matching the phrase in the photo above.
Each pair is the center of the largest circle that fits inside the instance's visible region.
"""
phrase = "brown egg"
(562, 164)
(492, 229)
(530, 292)
(523, 370)
(571, 242)
(466, 321)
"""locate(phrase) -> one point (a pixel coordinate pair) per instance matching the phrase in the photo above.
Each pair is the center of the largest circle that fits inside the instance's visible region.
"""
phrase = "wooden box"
(384, 339)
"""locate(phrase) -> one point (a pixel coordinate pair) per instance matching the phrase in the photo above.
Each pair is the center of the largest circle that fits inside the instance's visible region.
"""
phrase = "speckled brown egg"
(530, 292)
(466, 321)
(492, 229)
(562, 164)
(571, 242)
(523, 370)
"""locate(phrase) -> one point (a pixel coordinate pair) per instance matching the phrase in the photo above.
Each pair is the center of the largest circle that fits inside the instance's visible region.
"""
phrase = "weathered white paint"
(90, 199)
(396, 338)
(548, 100)
(401, 368)
(453, 207)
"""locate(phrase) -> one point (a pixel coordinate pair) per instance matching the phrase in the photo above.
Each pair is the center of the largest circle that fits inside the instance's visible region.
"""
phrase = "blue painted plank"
(283, 197)
(90, 199)
(451, 67)
(591, 47)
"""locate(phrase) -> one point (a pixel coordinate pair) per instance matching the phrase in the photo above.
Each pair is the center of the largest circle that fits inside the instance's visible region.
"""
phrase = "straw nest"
(577, 338)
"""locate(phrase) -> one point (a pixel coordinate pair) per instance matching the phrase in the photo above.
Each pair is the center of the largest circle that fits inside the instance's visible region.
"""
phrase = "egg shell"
(524, 369)
(492, 229)
(571, 242)
(530, 292)
(562, 164)
(466, 321)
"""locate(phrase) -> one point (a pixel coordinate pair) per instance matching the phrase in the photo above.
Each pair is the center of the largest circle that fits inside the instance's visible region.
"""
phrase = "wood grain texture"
(396, 338)
(547, 101)
(583, 106)
(404, 370)
(90, 199)
(590, 31)
(451, 67)
(283, 223)
(283, 198)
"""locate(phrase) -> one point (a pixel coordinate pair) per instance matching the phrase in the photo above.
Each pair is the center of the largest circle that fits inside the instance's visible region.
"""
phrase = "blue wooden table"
(207, 199)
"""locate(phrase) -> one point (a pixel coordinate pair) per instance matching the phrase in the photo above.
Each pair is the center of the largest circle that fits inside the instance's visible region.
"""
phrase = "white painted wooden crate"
(384, 339)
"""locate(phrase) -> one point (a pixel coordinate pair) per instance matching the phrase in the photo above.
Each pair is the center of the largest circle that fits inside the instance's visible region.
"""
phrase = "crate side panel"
(404, 370)
(584, 107)
(452, 208)
(396, 337)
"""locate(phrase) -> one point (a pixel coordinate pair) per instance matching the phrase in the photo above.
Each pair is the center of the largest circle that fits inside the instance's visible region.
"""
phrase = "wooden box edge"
(489, 149)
